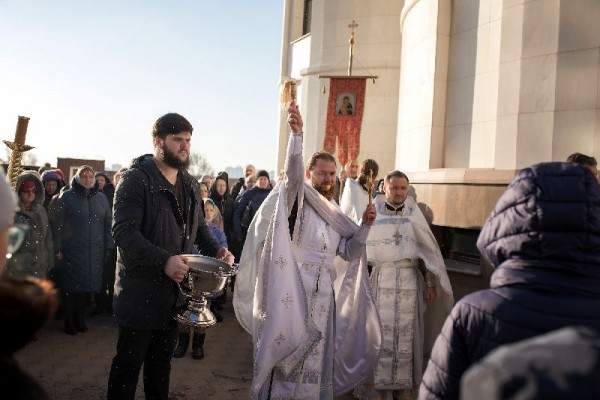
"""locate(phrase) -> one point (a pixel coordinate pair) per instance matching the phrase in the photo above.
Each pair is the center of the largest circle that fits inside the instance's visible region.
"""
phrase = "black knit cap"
(264, 173)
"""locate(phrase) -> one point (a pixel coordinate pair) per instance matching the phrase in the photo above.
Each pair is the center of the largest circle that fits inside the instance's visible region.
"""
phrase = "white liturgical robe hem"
(243, 296)
(281, 326)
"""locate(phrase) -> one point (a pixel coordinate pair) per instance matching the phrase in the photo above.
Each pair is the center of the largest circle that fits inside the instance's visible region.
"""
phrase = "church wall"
(425, 33)
(536, 58)
(549, 66)
(460, 197)
(576, 122)
(472, 91)
(523, 87)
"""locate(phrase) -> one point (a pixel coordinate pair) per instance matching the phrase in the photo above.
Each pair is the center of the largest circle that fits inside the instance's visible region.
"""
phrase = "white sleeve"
(294, 168)
(352, 202)
(353, 247)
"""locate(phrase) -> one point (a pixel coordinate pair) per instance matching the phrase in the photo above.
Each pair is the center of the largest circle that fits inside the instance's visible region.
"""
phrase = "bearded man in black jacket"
(156, 219)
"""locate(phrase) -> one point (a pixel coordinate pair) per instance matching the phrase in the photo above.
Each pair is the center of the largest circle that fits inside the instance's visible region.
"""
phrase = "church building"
(458, 94)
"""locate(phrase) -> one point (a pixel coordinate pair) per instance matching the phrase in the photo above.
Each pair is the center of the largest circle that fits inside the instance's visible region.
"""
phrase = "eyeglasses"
(16, 236)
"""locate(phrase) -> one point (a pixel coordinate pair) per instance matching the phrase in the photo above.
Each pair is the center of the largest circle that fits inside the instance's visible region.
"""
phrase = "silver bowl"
(206, 279)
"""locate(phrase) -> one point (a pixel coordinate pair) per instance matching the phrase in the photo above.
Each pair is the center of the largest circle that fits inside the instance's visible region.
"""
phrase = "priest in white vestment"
(411, 289)
(355, 195)
(306, 299)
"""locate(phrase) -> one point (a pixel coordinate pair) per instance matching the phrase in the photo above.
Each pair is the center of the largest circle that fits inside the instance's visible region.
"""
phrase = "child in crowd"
(213, 219)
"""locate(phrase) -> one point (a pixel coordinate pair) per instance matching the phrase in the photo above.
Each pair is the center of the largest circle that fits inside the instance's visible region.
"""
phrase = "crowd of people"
(350, 298)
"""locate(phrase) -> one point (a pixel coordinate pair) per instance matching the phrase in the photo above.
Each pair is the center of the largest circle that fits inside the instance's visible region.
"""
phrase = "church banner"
(344, 117)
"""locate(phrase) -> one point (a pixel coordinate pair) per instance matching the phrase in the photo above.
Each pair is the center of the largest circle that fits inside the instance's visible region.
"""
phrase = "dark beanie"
(50, 175)
(264, 173)
(103, 174)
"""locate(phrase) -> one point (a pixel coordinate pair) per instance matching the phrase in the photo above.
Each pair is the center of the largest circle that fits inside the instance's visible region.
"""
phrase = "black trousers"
(153, 349)
(104, 299)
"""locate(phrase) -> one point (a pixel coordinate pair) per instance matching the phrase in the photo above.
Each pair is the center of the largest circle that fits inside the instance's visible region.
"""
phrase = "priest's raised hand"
(368, 216)
(295, 120)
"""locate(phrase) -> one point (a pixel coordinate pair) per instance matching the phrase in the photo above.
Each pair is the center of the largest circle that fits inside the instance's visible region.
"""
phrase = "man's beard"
(328, 194)
(86, 187)
(172, 160)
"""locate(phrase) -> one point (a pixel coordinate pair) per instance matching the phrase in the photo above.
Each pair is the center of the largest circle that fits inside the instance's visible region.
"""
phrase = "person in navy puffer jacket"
(543, 238)
(248, 203)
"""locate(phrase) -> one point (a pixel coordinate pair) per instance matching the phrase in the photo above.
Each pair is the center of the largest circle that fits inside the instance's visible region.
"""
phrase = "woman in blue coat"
(81, 226)
(543, 238)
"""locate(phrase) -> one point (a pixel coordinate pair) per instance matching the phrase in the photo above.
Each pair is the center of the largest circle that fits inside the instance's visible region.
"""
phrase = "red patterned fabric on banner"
(344, 117)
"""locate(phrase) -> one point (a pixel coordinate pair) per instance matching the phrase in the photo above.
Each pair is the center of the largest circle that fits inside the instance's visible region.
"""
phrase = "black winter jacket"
(543, 238)
(237, 188)
(226, 205)
(80, 221)
(252, 199)
(148, 228)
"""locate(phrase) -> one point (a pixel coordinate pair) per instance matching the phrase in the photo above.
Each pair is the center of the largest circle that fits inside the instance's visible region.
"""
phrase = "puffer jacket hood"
(213, 189)
(546, 226)
(108, 190)
(40, 193)
(146, 163)
(103, 174)
(81, 190)
(52, 175)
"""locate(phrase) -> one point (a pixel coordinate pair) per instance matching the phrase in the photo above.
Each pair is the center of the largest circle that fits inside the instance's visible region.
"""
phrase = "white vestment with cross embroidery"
(314, 250)
(403, 252)
(315, 327)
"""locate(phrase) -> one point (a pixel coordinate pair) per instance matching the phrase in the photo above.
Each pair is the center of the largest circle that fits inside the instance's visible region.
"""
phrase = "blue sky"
(94, 75)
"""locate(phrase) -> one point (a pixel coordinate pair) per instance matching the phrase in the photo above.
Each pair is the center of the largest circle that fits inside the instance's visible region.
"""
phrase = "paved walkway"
(77, 367)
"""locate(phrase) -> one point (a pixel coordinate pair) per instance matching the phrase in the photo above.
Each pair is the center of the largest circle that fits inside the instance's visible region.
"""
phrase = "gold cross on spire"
(352, 25)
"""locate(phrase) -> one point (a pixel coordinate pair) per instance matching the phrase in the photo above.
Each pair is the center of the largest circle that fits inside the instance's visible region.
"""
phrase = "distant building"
(69, 166)
(235, 172)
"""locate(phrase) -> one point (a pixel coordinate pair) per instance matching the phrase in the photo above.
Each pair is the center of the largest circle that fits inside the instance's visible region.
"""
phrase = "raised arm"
(294, 165)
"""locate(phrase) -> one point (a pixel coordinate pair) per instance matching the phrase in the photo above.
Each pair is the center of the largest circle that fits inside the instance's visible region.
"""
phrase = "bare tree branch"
(199, 166)
(29, 159)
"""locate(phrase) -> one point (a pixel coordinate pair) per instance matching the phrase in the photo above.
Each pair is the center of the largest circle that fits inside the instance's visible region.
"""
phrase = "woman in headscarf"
(35, 257)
